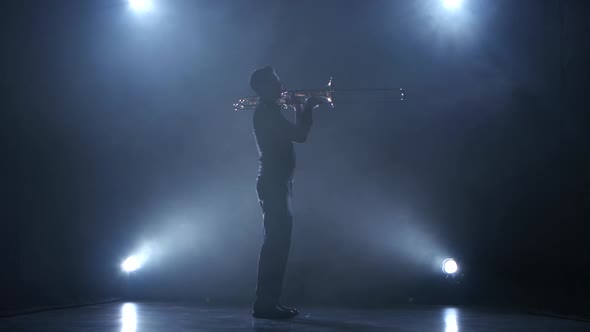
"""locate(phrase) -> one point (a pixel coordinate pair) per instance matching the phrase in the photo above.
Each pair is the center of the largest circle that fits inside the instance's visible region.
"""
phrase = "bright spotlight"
(140, 5)
(449, 266)
(132, 263)
(452, 4)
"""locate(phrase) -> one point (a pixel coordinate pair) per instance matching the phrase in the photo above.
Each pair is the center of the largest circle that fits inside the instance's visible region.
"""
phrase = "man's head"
(267, 85)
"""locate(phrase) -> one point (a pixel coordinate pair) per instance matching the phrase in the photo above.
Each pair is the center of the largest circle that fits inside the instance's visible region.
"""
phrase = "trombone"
(250, 103)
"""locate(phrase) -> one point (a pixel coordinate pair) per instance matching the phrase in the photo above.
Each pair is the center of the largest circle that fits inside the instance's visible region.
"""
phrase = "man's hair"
(260, 76)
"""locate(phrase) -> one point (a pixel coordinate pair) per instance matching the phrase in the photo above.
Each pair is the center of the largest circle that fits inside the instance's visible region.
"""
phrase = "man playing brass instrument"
(274, 137)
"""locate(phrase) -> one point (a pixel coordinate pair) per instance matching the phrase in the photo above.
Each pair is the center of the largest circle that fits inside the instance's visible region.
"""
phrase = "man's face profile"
(274, 87)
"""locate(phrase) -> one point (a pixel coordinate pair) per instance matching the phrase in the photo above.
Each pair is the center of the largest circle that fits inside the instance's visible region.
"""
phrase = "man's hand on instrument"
(293, 100)
(314, 101)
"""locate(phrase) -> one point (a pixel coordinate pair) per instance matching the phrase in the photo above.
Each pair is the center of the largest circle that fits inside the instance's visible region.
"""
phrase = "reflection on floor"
(146, 317)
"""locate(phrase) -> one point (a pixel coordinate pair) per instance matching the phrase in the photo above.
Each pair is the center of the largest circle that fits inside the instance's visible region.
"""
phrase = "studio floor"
(144, 317)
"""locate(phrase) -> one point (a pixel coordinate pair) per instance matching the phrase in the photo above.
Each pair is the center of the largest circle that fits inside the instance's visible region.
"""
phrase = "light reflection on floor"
(157, 317)
(451, 321)
(128, 317)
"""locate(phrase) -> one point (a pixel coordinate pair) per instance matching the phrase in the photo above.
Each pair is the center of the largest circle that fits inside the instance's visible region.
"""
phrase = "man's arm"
(285, 129)
(303, 122)
(298, 131)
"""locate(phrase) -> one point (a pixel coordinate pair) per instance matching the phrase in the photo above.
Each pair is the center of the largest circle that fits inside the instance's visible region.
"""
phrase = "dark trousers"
(274, 197)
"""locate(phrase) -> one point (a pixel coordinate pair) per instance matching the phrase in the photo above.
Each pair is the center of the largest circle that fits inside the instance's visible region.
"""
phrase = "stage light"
(132, 263)
(140, 5)
(449, 266)
(452, 4)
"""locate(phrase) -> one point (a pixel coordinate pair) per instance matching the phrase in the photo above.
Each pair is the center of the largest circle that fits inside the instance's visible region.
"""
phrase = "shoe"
(293, 310)
(274, 312)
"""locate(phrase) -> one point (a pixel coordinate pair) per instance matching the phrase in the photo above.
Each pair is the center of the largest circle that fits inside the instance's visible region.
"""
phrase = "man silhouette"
(274, 137)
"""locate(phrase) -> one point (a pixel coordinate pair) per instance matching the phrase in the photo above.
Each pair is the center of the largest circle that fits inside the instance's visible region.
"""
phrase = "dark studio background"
(118, 132)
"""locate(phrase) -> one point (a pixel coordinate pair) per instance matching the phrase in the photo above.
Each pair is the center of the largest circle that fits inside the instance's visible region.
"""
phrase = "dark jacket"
(275, 136)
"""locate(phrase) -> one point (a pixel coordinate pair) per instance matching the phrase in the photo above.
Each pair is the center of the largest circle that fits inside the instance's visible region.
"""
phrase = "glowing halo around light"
(452, 4)
(449, 266)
